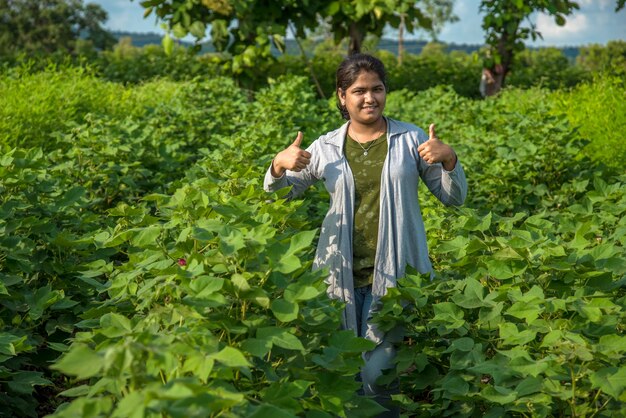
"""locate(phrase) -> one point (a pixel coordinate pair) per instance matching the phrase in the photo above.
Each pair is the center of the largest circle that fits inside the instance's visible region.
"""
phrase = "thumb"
(431, 132)
(298, 140)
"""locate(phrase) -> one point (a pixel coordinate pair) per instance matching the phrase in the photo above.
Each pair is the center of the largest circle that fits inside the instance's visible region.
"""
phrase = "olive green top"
(366, 170)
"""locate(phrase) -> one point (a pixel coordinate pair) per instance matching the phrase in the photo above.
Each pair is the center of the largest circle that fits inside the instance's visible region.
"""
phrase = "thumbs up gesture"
(434, 151)
(291, 158)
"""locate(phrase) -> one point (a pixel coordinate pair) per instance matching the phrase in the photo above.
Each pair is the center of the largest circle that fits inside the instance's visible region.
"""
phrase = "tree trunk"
(401, 39)
(356, 39)
(493, 78)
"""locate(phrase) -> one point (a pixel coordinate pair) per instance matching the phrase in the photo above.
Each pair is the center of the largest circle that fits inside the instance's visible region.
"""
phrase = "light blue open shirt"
(401, 233)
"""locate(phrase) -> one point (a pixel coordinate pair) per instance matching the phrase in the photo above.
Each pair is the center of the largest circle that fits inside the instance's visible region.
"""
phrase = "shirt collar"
(337, 136)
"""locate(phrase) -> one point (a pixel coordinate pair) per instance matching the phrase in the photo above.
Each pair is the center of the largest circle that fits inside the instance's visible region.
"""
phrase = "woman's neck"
(364, 132)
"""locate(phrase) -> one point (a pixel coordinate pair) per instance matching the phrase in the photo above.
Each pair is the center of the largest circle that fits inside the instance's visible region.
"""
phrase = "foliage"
(610, 58)
(546, 67)
(527, 314)
(36, 27)
(130, 64)
(248, 30)
(605, 100)
(505, 33)
(144, 272)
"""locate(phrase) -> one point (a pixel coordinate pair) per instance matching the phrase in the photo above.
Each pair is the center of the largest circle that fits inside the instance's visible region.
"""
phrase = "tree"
(247, 29)
(43, 27)
(505, 33)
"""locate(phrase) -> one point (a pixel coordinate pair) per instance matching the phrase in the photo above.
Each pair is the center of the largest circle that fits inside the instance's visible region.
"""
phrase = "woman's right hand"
(291, 158)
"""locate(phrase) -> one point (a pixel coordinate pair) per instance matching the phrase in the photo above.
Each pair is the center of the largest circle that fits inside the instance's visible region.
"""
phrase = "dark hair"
(349, 71)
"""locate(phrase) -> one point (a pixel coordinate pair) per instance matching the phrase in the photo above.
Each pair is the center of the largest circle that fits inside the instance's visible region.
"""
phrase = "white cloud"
(601, 4)
(575, 25)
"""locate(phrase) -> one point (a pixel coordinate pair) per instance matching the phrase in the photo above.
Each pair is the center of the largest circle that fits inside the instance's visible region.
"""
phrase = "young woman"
(371, 167)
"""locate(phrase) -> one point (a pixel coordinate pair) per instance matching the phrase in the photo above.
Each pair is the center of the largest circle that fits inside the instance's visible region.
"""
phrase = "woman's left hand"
(434, 151)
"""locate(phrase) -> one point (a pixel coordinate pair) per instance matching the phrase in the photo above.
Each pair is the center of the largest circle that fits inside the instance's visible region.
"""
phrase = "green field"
(144, 272)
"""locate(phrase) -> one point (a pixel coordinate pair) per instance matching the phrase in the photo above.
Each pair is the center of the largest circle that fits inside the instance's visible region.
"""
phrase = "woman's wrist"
(276, 170)
(450, 163)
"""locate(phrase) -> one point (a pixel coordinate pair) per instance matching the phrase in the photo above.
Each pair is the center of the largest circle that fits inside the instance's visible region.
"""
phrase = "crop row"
(145, 272)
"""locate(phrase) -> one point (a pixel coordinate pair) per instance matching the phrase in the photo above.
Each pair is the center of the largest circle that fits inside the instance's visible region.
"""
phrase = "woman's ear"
(342, 96)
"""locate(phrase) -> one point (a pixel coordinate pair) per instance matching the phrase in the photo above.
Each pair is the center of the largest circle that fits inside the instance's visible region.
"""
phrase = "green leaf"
(498, 394)
(267, 410)
(80, 361)
(504, 269)
(461, 344)
(116, 321)
(205, 286)
(231, 241)
(300, 241)
(8, 343)
(71, 196)
(529, 312)
(168, 44)
(529, 386)
(43, 298)
(457, 246)
(132, 405)
(347, 342)
(298, 291)
(610, 380)
(257, 347)
(512, 336)
(472, 296)
(198, 29)
(23, 382)
(455, 385)
(146, 237)
(258, 296)
(200, 365)
(231, 357)
(75, 392)
(281, 337)
(288, 264)
(284, 310)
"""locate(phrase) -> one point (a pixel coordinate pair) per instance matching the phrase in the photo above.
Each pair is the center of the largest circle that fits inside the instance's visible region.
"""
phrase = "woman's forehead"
(367, 79)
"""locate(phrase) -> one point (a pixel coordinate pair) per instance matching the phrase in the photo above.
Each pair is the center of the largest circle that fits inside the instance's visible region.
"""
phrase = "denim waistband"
(364, 289)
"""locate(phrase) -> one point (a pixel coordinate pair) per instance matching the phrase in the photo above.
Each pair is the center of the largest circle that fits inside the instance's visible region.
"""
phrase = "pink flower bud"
(182, 262)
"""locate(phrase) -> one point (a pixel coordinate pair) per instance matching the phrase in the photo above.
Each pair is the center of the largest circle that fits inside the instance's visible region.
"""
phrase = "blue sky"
(595, 22)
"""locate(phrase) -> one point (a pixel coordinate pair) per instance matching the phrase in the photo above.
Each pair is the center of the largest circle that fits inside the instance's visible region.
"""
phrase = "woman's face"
(365, 98)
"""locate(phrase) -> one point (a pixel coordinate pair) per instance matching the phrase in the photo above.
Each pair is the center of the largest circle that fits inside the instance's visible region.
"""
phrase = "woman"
(371, 167)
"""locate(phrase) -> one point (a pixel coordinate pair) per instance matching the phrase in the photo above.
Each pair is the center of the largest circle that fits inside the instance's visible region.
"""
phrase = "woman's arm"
(441, 171)
(292, 167)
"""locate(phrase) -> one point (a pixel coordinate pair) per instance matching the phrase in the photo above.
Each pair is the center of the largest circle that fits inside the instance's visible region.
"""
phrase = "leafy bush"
(598, 110)
(545, 67)
(141, 259)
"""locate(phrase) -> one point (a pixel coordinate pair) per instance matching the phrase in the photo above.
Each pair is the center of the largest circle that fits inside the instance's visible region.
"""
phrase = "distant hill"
(410, 46)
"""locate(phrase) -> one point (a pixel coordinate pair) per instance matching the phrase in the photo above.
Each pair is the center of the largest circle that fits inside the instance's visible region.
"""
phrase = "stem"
(307, 62)
(573, 399)
(593, 402)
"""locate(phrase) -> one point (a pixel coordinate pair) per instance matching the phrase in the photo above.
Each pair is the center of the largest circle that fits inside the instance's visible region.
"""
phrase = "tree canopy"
(505, 31)
(43, 27)
(247, 29)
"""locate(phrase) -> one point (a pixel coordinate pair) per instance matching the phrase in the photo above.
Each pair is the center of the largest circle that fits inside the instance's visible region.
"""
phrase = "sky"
(595, 22)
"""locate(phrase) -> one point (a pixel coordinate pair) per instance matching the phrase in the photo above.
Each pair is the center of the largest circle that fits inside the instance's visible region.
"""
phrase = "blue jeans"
(378, 359)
